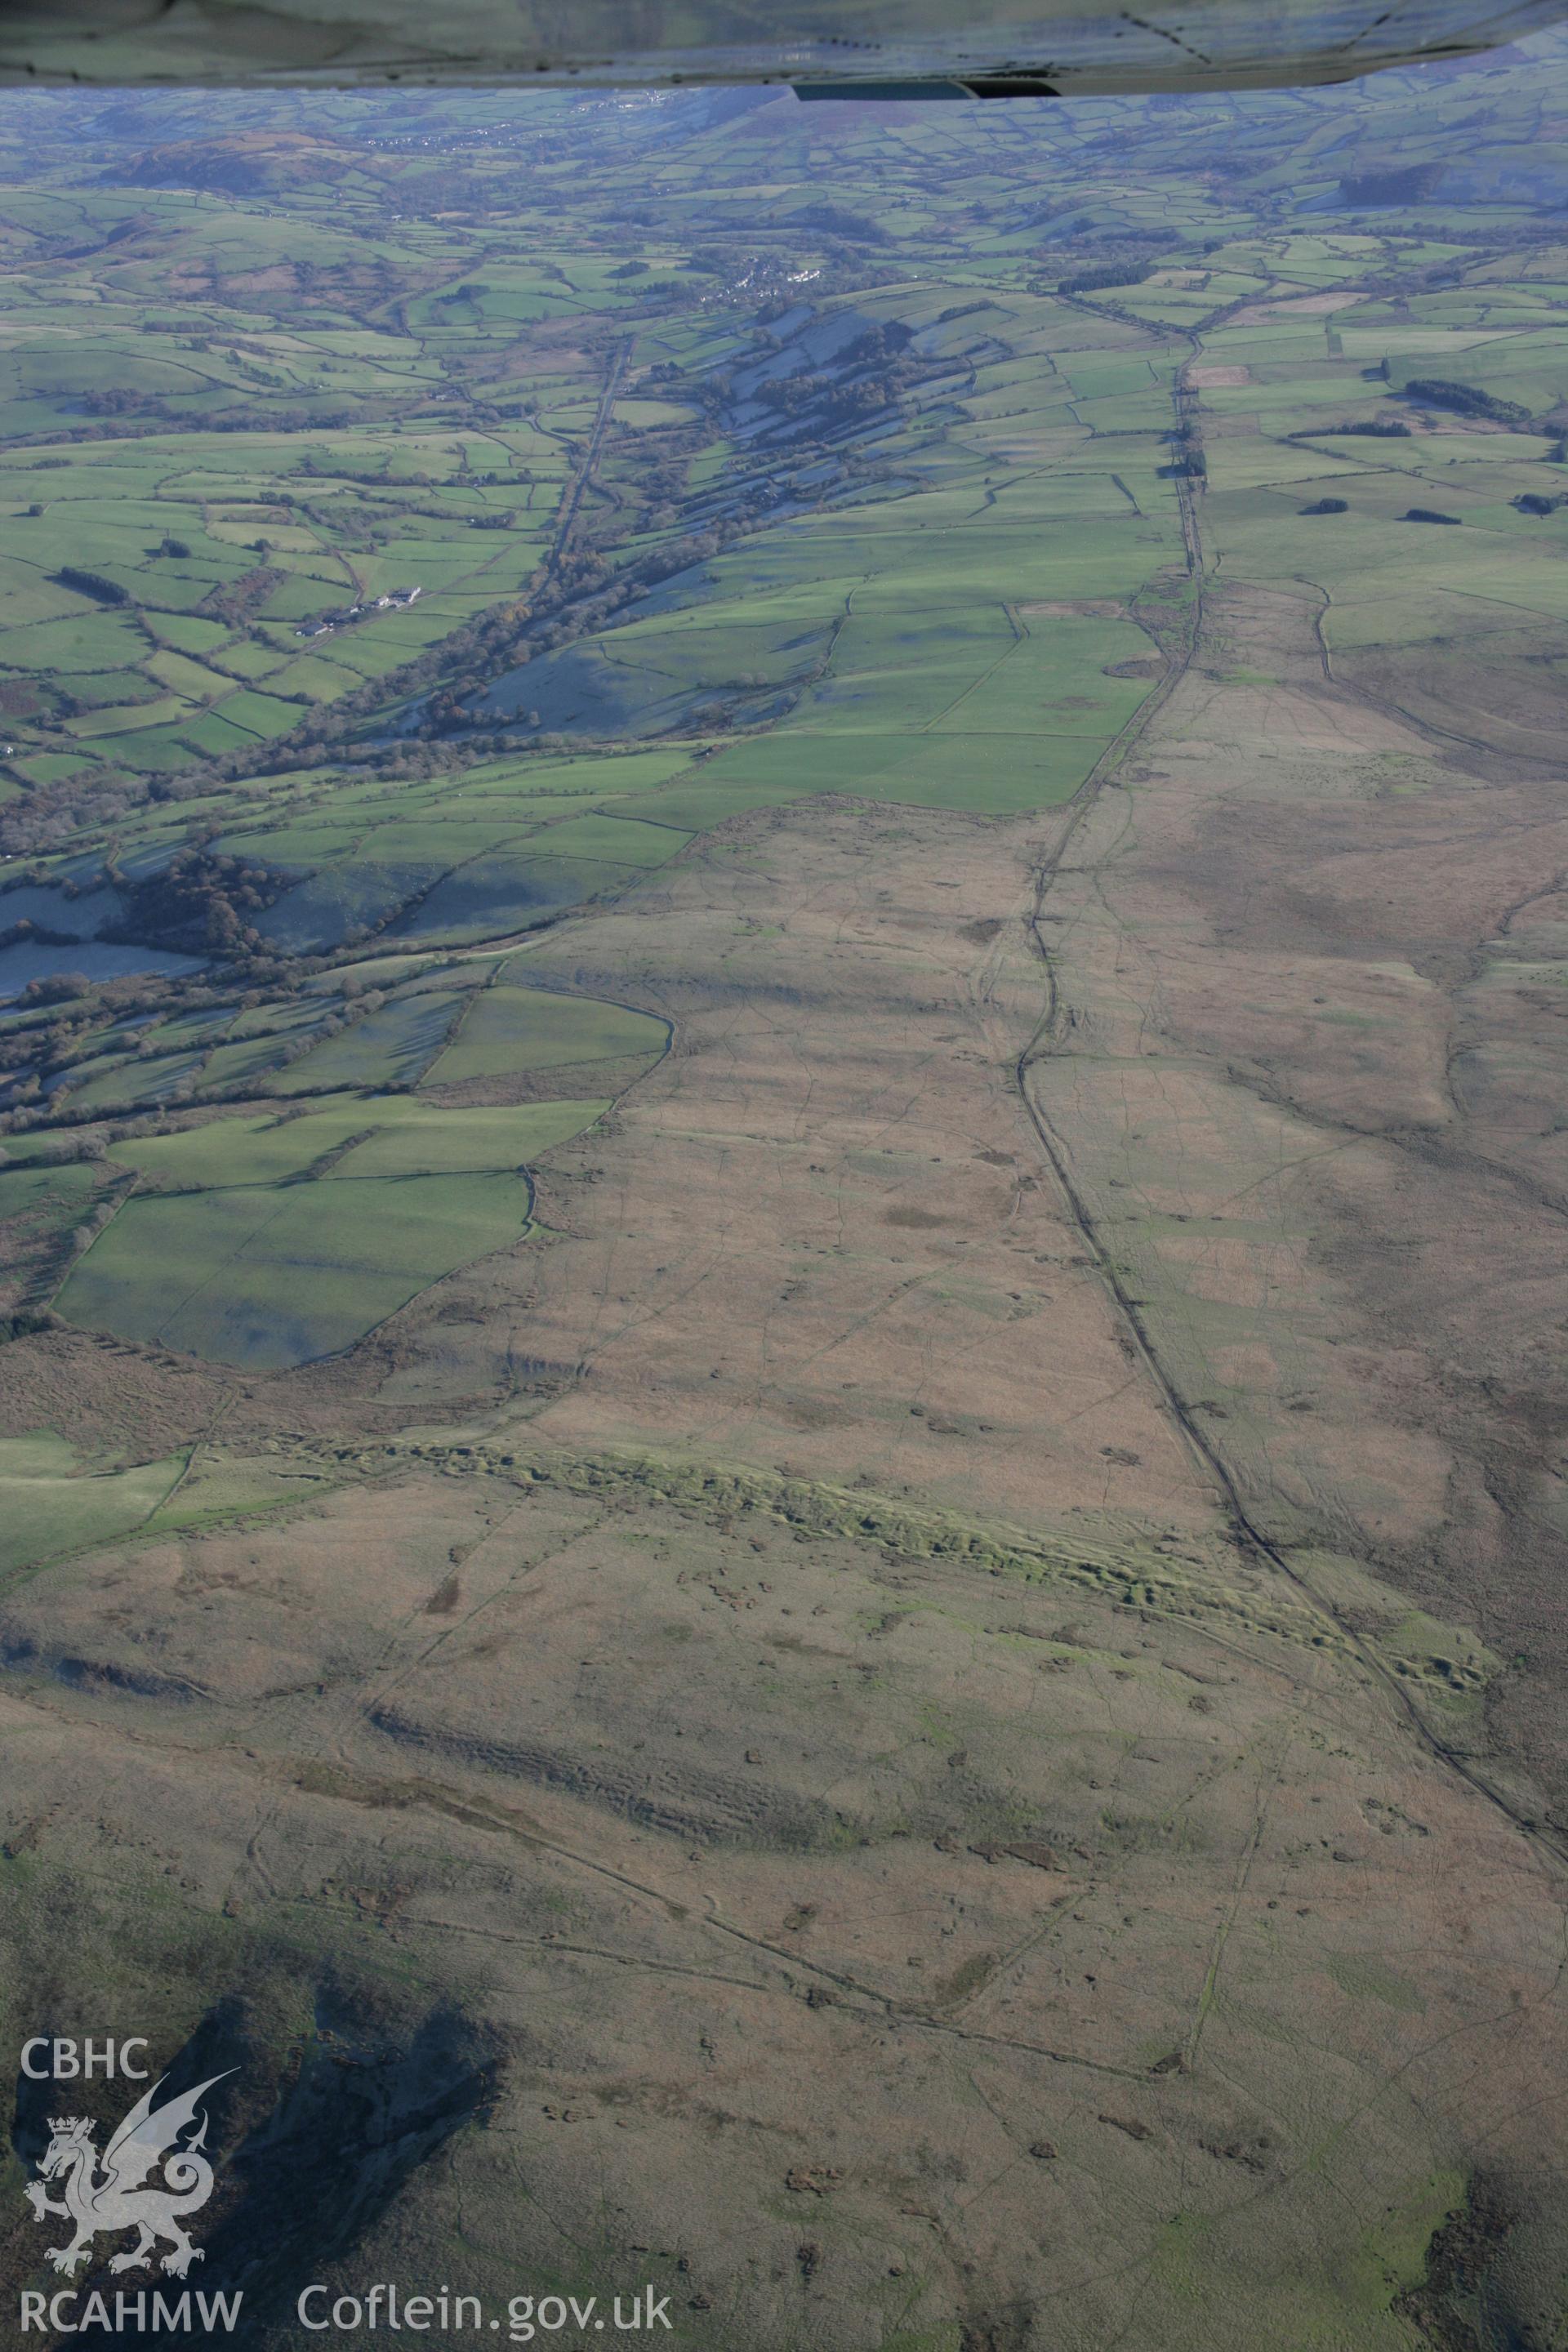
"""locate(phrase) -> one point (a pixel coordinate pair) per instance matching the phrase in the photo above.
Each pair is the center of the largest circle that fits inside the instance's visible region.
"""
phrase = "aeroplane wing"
(902, 49)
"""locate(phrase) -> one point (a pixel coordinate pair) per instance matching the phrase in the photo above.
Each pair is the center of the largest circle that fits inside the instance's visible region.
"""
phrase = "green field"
(50, 1506)
(292, 1238)
(271, 1275)
(509, 1027)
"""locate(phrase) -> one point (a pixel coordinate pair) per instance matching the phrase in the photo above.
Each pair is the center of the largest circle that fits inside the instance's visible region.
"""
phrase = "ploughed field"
(780, 1428)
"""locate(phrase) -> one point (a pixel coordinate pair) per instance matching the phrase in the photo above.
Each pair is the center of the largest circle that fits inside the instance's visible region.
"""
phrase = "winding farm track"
(1048, 1042)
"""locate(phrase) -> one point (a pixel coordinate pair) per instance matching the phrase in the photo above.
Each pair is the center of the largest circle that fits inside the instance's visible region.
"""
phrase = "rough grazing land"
(824, 1725)
(781, 1434)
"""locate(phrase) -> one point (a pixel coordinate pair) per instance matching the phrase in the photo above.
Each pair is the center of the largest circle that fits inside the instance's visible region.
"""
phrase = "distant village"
(324, 624)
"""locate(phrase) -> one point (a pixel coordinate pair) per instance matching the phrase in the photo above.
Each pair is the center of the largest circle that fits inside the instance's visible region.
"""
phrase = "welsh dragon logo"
(106, 2192)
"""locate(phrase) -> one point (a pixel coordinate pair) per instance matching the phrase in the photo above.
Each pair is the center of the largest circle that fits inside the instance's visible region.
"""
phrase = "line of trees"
(96, 584)
(1439, 391)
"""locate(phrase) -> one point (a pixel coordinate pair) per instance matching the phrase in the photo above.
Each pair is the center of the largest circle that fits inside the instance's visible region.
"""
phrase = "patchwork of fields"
(213, 571)
(781, 1281)
(226, 1242)
(917, 541)
(671, 571)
